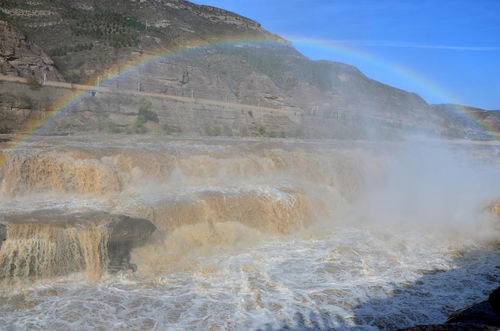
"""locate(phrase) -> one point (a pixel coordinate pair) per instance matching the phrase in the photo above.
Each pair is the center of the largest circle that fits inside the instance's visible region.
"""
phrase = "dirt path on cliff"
(106, 89)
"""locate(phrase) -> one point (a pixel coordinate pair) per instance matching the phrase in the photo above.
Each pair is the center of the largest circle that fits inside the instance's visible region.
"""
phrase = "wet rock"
(481, 313)
(126, 233)
(482, 316)
(494, 300)
(3, 234)
(50, 243)
(453, 327)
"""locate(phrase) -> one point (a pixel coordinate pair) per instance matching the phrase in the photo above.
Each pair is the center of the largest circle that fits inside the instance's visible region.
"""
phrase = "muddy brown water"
(252, 233)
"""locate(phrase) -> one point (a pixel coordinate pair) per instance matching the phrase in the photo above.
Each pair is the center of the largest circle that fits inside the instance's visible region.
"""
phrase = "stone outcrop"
(3, 233)
(126, 233)
(486, 312)
(21, 57)
(49, 243)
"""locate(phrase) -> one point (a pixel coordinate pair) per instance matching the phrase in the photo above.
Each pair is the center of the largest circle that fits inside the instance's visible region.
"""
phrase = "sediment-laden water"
(249, 234)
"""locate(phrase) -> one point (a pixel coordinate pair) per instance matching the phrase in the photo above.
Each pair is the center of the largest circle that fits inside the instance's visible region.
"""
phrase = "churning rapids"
(250, 234)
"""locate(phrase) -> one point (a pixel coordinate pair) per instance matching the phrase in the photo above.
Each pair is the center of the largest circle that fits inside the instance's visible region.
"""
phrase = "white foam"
(337, 279)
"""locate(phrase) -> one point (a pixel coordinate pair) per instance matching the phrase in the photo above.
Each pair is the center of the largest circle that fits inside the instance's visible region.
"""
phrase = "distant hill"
(460, 125)
(84, 38)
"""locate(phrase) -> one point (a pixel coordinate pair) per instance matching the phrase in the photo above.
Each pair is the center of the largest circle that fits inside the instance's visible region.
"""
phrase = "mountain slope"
(85, 38)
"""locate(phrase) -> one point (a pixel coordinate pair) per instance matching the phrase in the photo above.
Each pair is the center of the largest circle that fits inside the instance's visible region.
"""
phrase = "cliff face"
(21, 57)
(86, 38)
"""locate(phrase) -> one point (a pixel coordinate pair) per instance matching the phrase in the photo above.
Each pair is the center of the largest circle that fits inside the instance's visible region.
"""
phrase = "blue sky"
(444, 50)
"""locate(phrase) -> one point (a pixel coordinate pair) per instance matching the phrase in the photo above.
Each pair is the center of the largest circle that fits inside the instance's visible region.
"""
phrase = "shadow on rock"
(436, 295)
(431, 299)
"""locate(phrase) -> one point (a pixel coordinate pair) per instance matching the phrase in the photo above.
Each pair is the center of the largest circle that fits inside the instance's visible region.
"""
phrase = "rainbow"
(69, 101)
(120, 69)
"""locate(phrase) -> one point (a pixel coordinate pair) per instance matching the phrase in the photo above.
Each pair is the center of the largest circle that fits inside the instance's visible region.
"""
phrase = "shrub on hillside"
(145, 113)
(33, 83)
(5, 130)
(171, 129)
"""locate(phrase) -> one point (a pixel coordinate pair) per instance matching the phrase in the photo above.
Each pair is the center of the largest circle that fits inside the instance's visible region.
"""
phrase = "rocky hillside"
(85, 38)
(21, 57)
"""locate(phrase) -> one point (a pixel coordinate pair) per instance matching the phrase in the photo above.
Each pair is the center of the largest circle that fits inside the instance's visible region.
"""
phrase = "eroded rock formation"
(50, 243)
(21, 57)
